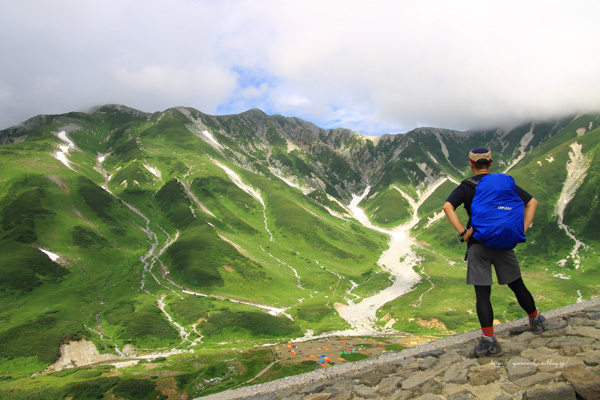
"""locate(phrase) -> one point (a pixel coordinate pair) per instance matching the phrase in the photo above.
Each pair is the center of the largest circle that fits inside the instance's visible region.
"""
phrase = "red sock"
(533, 314)
(488, 331)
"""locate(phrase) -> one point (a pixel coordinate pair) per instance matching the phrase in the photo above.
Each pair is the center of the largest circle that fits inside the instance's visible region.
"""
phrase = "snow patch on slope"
(577, 169)
(422, 196)
(61, 155)
(235, 178)
(399, 260)
(153, 171)
(270, 310)
(432, 157)
(444, 149)
(199, 129)
(211, 139)
(195, 199)
(51, 256)
(522, 146)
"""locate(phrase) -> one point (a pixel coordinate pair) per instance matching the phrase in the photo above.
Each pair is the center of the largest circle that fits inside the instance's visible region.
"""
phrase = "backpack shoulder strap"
(471, 182)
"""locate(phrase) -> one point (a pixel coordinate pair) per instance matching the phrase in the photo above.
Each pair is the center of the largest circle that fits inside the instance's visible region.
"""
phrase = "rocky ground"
(562, 363)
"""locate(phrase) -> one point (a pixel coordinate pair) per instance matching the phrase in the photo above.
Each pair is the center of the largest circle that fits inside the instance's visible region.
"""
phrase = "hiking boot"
(537, 324)
(488, 347)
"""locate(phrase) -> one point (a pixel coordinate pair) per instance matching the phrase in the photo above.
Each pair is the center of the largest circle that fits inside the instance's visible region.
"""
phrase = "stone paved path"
(563, 363)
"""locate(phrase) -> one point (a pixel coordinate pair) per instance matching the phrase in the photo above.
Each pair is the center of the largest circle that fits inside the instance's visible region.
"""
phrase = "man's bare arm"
(455, 221)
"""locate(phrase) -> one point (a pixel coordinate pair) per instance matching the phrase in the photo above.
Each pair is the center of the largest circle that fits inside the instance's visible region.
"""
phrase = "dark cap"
(480, 153)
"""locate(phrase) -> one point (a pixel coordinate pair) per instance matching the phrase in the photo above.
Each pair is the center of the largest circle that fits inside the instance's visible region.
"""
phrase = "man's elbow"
(533, 203)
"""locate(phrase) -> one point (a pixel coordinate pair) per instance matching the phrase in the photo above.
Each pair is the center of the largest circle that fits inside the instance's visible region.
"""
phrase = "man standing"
(481, 257)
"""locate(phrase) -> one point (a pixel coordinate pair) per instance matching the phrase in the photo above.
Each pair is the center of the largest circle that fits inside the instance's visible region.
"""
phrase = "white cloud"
(384, 66)
(207, 86)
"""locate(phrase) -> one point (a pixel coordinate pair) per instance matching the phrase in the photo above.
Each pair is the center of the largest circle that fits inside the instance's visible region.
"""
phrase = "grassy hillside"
(176, 232)
(169, 219)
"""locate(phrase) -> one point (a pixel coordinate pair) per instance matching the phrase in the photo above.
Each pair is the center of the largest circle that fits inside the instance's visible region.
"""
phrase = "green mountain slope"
(180, 230)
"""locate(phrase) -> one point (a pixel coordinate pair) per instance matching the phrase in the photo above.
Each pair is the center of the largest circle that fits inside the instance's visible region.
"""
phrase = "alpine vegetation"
(191, 240)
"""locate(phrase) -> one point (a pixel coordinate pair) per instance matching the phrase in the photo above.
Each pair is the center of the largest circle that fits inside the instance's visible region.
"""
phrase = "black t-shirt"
(464, 193)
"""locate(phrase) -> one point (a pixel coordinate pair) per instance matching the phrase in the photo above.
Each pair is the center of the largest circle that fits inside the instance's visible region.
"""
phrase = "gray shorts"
(480, 259)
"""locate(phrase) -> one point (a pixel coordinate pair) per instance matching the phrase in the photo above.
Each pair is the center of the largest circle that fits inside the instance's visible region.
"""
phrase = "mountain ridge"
(181, 230)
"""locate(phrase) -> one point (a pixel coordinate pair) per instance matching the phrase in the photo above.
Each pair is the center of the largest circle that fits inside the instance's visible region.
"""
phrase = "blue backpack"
(497, 212)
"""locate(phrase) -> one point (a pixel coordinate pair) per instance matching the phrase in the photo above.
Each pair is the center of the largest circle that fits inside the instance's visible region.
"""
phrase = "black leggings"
(485, 312)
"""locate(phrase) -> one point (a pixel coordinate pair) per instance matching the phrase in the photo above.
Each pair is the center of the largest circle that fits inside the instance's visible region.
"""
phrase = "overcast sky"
(373, 66)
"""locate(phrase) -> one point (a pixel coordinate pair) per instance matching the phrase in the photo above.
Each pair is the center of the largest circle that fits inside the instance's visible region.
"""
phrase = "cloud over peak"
(387, 66)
